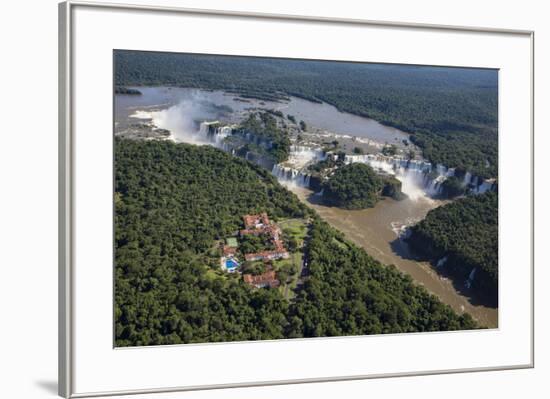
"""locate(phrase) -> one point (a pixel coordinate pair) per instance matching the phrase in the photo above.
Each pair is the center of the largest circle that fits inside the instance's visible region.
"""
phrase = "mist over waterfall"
(302, 156)
(294, 170)
(182, 119)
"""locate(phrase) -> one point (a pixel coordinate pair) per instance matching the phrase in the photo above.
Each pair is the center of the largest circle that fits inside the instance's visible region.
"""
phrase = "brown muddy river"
(377, 231)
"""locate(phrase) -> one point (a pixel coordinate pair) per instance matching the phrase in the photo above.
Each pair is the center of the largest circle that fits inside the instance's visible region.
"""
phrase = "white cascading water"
(293, 170)
(470, 279)
(213, 133)
(412, 174)
(288, 175)
(180, 119)
(484, 187)
(416, 177)
(441, 262)
(301, 156)
(467, 178)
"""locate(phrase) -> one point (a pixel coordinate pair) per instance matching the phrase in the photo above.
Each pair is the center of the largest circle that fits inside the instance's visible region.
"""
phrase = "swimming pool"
(231, 264)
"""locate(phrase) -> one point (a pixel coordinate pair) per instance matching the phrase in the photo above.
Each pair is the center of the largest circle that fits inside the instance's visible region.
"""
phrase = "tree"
(453, 187)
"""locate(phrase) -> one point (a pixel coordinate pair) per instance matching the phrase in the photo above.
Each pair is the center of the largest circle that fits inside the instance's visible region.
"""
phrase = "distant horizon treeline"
(451, 113)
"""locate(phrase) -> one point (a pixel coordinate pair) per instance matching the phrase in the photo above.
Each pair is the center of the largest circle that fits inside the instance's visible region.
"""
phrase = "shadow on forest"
(401, 249)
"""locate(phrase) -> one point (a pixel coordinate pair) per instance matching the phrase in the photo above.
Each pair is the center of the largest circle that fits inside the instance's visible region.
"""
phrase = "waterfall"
(486, 185)
(467, 179)
(470, 280)
(214, 133)
(203, 129)
(294, 169)
(413, 174)
(290, 175)
(441, 262)
(419, 178)
(301, 155)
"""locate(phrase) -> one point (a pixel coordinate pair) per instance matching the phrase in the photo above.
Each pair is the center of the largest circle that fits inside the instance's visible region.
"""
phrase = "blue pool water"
(231, 264)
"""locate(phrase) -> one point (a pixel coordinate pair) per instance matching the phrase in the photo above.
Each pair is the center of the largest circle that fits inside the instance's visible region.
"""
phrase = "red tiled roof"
(250, 222)
(253, 220)
(266, 255)
(229, 250)
(267, 278)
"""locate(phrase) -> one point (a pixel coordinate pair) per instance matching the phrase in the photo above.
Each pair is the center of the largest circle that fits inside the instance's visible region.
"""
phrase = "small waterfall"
(302, 155)
(203, 129)
(290, 175)
(470, 280)
(467, 179)
(214, 133)
(294, 169)
(441, 262)
(486, 185)
(221, 133)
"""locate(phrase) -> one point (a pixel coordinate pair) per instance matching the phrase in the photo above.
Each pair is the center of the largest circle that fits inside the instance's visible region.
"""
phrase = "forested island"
(358, 186)
(175, 202)
(451, 116)
(268, 137)
(462, 237)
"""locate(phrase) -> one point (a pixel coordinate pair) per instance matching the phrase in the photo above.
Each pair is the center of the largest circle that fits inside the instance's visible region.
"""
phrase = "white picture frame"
(88, 363)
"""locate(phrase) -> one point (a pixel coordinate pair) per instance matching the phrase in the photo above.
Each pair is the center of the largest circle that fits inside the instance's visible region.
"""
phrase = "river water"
(377, 230)
(191, 105)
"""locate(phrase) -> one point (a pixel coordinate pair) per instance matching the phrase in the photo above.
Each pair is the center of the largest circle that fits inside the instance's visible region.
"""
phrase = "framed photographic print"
(253, 199)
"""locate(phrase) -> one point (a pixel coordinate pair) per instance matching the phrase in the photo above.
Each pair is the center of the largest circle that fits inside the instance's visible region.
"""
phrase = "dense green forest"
(174, 201)
(466, 231)
(264, 127)
(451, 113)
(358, 186)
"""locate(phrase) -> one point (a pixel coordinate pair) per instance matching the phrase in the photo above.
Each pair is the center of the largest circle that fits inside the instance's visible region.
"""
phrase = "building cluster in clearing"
(257, 225)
